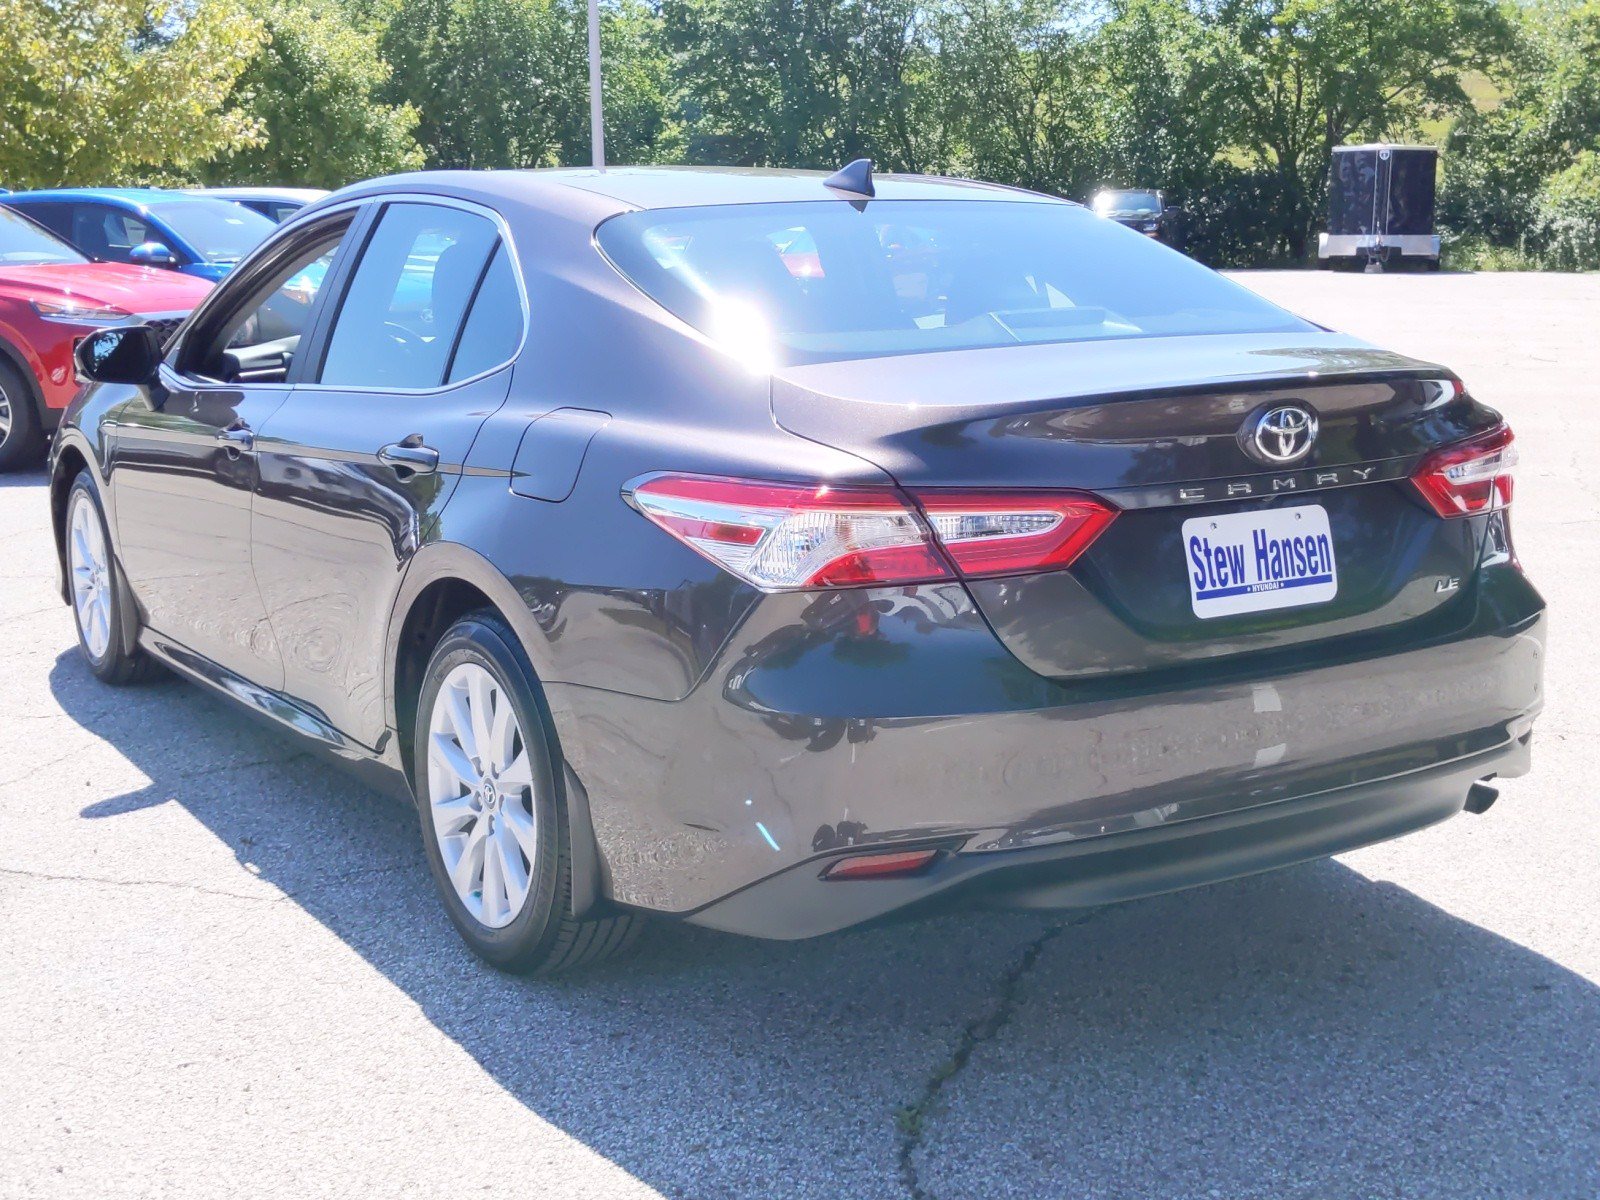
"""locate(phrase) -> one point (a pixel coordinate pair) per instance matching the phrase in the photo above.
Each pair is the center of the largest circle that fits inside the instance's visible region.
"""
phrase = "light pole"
(597, 128)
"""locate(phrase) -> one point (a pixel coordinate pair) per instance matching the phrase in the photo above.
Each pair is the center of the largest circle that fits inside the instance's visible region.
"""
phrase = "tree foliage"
(315, 91)
(1232, 106)
(115, 91)
(1305, 76)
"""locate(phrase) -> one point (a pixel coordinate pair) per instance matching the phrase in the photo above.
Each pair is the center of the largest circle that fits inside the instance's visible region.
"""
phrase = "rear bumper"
(1351, 245)
(862, 721)
(799, 903)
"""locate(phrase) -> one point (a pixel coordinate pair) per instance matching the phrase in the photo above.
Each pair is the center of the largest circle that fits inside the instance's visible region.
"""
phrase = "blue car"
(198, 235)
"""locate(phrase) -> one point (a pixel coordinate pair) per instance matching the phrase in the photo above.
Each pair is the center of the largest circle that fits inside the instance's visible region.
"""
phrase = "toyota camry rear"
(779, 552)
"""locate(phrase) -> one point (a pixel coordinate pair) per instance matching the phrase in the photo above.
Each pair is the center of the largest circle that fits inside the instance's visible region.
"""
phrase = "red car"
(50, 296)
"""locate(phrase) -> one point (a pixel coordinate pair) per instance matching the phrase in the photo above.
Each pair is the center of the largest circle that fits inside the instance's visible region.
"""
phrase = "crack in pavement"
(912, 1119)
(283, 897)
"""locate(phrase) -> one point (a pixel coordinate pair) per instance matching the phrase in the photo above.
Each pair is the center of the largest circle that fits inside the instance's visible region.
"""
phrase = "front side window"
(823, 280)
(107, 233)
(404, 309)
(256, 340)
(22, 243)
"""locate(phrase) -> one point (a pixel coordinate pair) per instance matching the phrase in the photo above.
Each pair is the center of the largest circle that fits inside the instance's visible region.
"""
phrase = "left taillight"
(1469, 477)
(781, 536)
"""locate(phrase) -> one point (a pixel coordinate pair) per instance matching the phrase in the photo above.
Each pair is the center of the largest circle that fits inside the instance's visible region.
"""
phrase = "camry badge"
(1279, 436)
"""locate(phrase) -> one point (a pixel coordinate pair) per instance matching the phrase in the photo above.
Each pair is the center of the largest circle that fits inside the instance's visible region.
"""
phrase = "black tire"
(544, 937)
(122, 662)
(22, 438)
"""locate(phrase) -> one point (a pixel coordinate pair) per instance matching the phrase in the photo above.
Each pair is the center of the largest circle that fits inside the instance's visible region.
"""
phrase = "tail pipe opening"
(1481, 795)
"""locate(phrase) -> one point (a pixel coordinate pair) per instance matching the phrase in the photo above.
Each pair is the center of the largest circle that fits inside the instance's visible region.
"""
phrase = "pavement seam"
(912, 1119)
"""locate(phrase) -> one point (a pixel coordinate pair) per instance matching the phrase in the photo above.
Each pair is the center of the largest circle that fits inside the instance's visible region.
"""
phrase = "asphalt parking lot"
(223, 971)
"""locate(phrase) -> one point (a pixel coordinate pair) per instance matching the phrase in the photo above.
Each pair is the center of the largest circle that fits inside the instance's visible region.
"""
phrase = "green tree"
(1305, 76)
(803, 83)
(1020, 93)
(1500, 163)
(504, 83)
(315, 92)
(116, 91)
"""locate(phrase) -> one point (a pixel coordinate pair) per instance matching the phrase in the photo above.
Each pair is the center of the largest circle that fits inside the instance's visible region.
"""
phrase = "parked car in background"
(50, 297)
(277, 204)
(1142, 210)
(776, 553)
(150, 227)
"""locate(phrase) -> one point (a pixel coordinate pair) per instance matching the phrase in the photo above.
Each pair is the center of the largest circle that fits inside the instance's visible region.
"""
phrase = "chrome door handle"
(237, 439)
(410, 456)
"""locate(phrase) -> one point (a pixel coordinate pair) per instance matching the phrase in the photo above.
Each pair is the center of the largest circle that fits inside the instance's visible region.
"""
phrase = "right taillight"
(782, 536)
(1469, 477)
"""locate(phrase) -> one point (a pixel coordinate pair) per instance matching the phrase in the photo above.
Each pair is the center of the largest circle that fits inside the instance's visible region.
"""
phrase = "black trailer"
(1380, 208)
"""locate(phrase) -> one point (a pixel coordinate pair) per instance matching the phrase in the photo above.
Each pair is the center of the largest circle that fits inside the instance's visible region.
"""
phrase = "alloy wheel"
(480, 793)
(5, 416)
(90, 567)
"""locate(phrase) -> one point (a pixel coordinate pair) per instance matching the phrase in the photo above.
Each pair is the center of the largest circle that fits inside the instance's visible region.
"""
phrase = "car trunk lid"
(1132, 422)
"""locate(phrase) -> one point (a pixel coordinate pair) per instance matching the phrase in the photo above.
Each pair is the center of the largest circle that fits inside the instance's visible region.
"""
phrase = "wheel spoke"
(480, 706)
(513, 875)
(451, 816)
(517, 820)
(456, 710)
(469, 869)
(444, 753)
(503, 733)
(518, 773)
(494, 885)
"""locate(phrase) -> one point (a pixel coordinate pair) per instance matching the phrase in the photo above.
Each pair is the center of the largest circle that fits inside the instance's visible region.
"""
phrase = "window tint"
(57, 218)
(405, 304)
(814, 281)
(494, 326)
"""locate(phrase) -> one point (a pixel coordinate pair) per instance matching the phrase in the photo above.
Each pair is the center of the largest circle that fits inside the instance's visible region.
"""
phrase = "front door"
(183, 469)
(358, 464)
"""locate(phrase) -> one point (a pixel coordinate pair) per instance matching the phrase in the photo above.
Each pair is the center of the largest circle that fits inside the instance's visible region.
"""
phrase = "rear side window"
(408, 298)
(494, 326)
(823, 280)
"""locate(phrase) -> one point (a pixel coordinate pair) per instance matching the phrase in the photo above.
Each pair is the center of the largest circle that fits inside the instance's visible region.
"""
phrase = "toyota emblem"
(1281, 435)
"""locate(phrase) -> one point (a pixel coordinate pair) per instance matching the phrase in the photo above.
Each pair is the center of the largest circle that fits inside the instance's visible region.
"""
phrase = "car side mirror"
(152, 254)
(127, 354)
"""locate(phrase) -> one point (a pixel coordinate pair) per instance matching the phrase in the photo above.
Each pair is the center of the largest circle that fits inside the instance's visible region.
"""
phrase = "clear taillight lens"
(1469, 477)
(789, 536)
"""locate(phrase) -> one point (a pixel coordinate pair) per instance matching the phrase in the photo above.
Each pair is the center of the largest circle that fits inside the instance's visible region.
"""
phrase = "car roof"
(304, 195)
(127, 197)
(633, 188)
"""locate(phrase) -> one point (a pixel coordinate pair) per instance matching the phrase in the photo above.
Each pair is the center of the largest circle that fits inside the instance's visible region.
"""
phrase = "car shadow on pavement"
(1309, 1033)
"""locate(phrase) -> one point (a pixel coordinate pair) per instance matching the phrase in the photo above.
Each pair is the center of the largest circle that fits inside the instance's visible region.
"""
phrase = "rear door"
(357, 466)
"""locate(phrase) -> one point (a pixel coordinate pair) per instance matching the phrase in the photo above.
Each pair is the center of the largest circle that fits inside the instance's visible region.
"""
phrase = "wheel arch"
(444, 582)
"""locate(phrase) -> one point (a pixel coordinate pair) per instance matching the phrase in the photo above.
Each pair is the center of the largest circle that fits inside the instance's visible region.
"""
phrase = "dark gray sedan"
(780, 552)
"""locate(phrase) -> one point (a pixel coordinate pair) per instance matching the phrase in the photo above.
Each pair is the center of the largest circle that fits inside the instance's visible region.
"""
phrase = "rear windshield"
(826, 280)
(222, 231)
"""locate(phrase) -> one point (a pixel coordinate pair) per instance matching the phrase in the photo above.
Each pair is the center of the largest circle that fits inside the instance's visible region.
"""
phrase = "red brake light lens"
(1014, 533)
(1469, 477)
(781, 536)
